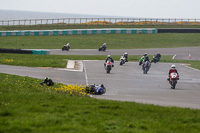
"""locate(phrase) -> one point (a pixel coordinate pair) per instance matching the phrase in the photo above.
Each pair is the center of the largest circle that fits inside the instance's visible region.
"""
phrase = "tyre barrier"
(78, 32)
(21, 51)
(179, 30)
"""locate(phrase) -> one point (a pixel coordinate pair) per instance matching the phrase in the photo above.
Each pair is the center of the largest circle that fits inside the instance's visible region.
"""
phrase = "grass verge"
(61, 60)
(26, 106)
(114, 41)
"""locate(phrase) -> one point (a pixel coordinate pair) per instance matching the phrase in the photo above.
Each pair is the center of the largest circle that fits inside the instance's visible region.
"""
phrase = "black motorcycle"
(66, 48)
(155, 59)
(102, 48)
(146, 66)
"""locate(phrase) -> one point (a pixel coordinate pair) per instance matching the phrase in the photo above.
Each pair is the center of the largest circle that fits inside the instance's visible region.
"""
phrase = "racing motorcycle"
(155, 60)
(102, 48)
(146, 66)
(108, 66)
(141, 60)
(173, 79)
(122, 60)
(96, 89)
(65, 47)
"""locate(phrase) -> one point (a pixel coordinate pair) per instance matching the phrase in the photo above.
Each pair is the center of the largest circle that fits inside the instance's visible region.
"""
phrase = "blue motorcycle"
(96, 89)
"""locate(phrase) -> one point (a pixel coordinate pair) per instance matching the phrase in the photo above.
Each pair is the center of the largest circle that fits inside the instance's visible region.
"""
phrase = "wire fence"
(102, 21)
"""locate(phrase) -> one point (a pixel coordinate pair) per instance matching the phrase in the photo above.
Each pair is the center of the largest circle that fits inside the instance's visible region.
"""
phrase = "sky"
(125, 8)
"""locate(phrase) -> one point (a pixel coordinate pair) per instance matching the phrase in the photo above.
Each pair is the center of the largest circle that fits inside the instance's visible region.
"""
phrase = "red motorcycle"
(108, 66)
(173, 80)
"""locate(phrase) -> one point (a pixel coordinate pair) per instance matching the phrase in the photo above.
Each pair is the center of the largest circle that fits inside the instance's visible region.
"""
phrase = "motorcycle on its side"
(96, 89)
(122, 60)
(108, 66)
(65, 48)
(146, 66)
(173, 79)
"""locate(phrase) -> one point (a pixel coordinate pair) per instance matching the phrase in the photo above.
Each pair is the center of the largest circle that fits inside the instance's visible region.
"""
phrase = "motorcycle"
(96, 89)
(173, 80)
(66, 48)
(155, 60)
(122, 60)
(141, 60)
(102, 48)
(108, 66)
(146, 66)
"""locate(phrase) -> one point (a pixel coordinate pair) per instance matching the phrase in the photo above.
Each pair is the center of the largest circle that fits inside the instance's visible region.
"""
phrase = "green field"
(114, 41)
(61, 60)
(26, 106)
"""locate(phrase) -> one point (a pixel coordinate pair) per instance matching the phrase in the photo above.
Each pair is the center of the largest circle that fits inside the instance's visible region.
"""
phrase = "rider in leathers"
(173, 70)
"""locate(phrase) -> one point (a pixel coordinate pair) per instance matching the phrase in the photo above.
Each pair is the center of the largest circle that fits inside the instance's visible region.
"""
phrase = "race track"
(181, 53)
(127, 82)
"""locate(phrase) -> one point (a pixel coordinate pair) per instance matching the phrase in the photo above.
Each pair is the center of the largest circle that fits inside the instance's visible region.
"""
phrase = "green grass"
(114, 41)
(78, 26)
(61, 60)
(25, 106)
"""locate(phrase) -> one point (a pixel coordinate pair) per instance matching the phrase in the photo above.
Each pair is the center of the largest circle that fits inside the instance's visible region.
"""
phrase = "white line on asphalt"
(86, 79)
(174, 56)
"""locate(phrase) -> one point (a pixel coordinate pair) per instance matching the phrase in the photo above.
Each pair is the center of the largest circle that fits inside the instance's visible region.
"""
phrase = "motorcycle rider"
(156, 57)
(126, 56)
(109, 58)
(67, 45)
(47, 81)
(104, 46)
(143, 58)
(146, 58)
(173, 69)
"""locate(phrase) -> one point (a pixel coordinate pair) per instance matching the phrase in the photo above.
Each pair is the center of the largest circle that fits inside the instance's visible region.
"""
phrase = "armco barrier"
(179, 30)
(78, 32)
(21, 51)
(18, 51)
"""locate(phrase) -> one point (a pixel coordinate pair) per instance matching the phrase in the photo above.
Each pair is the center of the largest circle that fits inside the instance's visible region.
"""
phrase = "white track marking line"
(174, 56)
(86, 78)
(191, 67)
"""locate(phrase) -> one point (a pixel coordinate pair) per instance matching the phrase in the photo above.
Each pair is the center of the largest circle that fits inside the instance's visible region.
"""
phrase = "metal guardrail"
(103, 21)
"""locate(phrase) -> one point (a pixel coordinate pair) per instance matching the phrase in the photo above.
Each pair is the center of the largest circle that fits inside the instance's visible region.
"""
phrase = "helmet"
(173, 66)
(145, 54)
(125, 53)
(108, 56)
(104, 44)
(46, 78)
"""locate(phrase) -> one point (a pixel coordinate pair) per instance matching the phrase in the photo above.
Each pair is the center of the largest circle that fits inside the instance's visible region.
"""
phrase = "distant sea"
(21, 15)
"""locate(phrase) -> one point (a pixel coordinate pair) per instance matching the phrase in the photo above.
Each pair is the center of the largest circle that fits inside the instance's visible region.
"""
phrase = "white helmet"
(125, 53)
(173, 66)
(108, 56)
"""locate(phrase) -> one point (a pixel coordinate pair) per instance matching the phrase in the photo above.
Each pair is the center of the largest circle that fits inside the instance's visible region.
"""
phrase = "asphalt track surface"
(181, 53)
(127, 82)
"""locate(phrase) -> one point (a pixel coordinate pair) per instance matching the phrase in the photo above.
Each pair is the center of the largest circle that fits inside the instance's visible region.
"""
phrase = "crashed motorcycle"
(122, 60)
(146, 66)
(173, 79)
(96, 89)
(102, 48)
(108, 66)
(66, 48)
